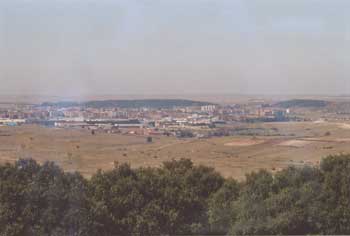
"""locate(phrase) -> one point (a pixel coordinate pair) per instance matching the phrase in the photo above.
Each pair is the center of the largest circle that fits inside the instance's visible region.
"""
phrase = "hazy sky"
(72, 47)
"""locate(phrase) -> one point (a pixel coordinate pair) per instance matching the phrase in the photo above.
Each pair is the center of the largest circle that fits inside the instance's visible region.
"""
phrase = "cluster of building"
(142, 121)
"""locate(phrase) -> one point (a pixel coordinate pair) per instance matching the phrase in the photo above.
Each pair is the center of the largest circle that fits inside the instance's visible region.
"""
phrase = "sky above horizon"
(84, 47)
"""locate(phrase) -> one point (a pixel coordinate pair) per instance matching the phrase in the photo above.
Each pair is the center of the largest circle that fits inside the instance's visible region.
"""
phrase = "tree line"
(177, 199)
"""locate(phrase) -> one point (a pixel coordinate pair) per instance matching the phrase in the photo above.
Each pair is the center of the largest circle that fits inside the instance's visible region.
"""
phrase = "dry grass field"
(78, 150)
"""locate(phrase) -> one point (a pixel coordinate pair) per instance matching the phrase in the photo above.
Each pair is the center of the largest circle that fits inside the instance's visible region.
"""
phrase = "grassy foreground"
(176, 199)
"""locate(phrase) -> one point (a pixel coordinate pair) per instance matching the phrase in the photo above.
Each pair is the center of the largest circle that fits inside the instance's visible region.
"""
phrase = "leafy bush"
(179, 198)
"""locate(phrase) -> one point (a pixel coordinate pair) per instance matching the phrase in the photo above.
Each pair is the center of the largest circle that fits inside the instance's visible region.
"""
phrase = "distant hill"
(60, 104)
(302, 103)
(149, 103)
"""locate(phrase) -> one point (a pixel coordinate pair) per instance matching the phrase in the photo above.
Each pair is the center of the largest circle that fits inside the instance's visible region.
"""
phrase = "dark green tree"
(220, 209)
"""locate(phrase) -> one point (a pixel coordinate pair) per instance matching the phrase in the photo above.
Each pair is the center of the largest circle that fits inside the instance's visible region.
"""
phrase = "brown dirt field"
(244, 142)
(78, 150)
(344, 125)
(295, 143)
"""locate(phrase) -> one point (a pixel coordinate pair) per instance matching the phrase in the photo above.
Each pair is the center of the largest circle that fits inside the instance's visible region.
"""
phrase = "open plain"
(294, 143)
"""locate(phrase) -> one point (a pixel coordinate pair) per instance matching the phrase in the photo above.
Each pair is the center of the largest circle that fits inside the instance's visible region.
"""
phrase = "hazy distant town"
(181, 118)
(169, 117)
